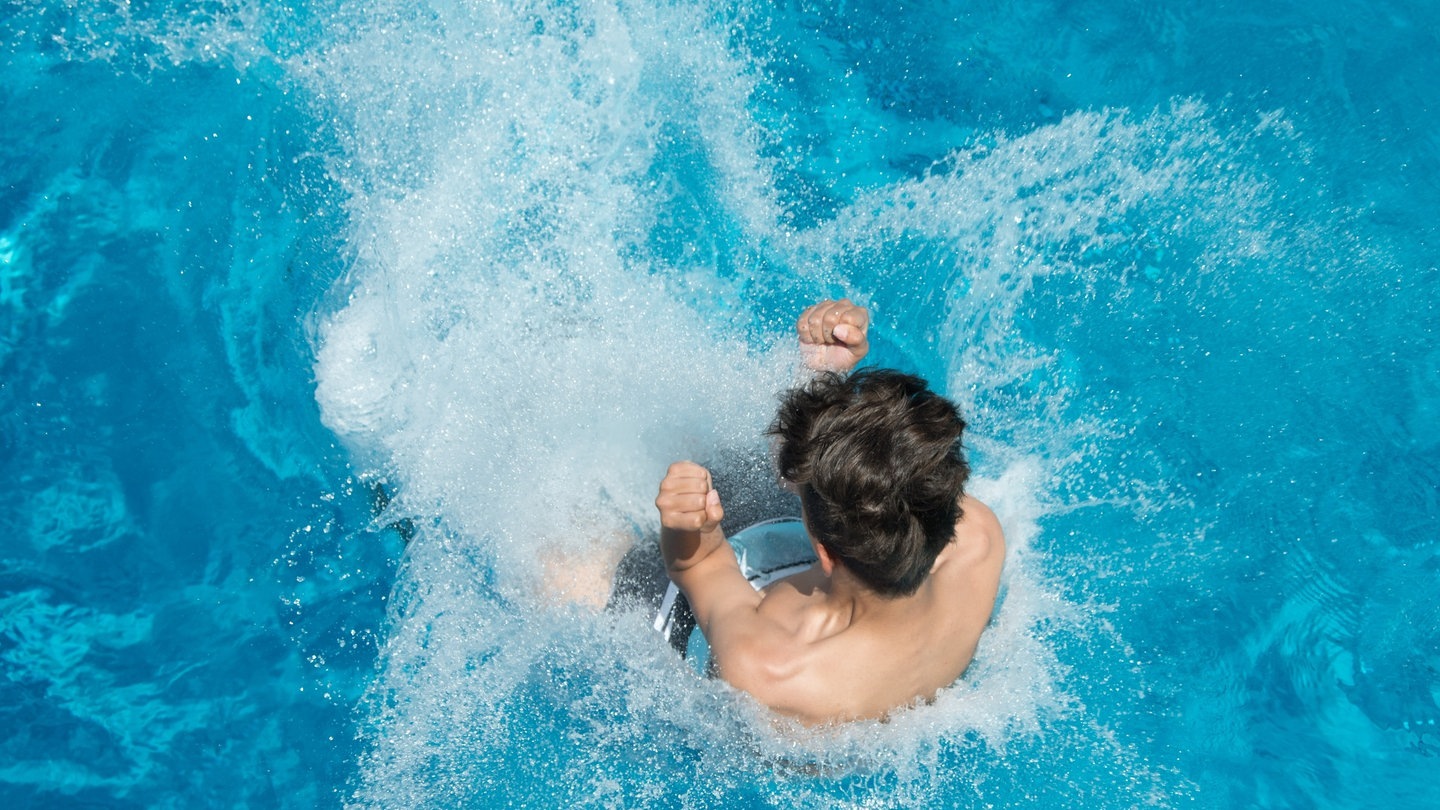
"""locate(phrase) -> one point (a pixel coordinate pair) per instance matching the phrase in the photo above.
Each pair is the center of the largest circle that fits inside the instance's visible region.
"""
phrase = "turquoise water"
(502, 262)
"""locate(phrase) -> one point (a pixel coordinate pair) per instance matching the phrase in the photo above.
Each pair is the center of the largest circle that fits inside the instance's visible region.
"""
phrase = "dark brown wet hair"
(876, 457)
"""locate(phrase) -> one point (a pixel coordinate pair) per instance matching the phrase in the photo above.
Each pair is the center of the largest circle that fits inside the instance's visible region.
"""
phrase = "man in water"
(907, 568)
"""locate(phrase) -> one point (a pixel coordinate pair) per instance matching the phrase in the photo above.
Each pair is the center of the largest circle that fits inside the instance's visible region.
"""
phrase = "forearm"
(682, 550)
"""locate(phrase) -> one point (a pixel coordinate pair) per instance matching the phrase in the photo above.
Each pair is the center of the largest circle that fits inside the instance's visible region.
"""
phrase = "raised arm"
(697, 558)
(833, 335)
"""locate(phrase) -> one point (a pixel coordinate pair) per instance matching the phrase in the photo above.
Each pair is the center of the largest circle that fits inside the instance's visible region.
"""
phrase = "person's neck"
(852, 601)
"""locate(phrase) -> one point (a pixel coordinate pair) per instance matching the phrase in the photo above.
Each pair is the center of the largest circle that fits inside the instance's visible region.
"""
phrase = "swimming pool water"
(283, 285)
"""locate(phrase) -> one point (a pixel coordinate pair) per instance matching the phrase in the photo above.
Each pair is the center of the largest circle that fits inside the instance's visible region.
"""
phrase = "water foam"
(518, 347)
(511, 343)
(523, 346)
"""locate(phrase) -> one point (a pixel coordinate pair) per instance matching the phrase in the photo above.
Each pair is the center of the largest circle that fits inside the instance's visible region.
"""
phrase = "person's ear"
(824, 557)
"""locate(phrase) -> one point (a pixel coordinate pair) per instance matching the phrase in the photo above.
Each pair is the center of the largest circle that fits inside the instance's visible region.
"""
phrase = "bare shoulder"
(806, 682)
(968, 574)
(770, 652)
(979, 540)
(755, 654)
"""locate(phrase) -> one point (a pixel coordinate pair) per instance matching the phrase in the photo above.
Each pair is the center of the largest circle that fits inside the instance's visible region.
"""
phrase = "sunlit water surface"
(281, 287)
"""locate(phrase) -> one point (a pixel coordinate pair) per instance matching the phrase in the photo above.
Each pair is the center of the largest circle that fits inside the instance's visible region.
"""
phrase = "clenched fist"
(688, 501)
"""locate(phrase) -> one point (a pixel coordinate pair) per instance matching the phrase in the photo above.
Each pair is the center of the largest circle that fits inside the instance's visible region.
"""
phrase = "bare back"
(825, 648)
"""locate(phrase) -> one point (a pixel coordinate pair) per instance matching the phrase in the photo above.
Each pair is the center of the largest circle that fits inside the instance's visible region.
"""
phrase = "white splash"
(523, 348)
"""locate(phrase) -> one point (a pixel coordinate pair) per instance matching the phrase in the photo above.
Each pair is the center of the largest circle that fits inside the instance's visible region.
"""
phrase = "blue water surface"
(265, 268)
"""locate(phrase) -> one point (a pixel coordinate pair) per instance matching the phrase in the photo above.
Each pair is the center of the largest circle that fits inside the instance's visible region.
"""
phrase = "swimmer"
(908, 566)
